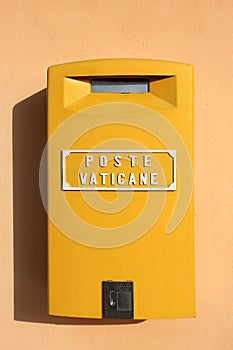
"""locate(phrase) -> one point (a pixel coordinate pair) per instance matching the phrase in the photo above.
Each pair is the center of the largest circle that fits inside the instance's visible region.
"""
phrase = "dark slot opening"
(120, 85)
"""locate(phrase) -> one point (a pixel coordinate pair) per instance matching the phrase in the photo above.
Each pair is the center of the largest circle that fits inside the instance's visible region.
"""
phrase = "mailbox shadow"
(30, 218)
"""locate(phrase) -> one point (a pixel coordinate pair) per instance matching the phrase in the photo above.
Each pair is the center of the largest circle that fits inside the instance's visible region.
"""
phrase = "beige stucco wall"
(37, 34)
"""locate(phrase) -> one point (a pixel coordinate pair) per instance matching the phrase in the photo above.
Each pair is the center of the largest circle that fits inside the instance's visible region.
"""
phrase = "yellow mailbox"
(120, 189)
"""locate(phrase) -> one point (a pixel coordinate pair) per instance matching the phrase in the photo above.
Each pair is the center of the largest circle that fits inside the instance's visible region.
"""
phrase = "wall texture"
(37, 34)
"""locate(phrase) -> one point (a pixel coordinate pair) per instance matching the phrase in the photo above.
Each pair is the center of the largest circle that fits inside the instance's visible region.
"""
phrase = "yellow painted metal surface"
(144, 236)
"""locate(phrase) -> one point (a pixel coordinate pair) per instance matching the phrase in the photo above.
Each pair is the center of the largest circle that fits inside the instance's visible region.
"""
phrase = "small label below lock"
(118, 299)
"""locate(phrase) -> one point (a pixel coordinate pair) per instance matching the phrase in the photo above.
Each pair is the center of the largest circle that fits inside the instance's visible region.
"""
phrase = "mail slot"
(120, 189)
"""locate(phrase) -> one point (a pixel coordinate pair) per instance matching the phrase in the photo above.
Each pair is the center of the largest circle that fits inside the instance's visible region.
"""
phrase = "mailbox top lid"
(121, 67)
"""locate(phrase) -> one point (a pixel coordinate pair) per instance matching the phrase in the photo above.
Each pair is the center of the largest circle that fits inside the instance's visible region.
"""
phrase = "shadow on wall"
(30, 218)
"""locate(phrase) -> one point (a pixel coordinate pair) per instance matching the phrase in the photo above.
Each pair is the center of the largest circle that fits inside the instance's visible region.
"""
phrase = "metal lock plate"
(118, 299)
